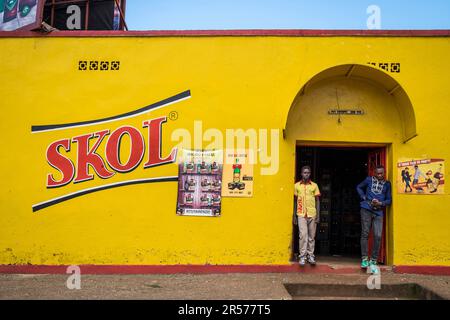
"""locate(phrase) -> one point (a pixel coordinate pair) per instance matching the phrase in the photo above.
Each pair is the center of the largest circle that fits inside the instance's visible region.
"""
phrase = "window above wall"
(79, 15)
(68, 15)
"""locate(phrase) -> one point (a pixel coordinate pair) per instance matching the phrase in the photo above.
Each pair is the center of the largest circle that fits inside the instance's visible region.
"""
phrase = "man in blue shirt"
(375, 193)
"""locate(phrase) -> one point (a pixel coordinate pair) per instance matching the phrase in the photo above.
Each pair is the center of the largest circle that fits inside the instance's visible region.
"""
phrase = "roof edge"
(234, 32)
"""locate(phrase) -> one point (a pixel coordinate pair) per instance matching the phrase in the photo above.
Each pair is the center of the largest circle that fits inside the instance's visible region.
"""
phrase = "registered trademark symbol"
(173, 115)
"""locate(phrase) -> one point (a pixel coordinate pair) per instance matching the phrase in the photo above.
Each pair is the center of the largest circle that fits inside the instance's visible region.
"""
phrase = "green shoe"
(364, 263)
(373, 268)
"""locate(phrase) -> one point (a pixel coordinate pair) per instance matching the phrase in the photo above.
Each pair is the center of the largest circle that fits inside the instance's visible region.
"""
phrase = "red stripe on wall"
(174, 269)
(210, 269)
(248, 32)
(430, 270)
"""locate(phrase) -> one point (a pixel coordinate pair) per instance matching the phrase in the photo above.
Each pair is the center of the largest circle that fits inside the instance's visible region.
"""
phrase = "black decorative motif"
(393, 67)
(104, 65)
(115, 65)
(95, 65)
(384, 66)
(82, 65)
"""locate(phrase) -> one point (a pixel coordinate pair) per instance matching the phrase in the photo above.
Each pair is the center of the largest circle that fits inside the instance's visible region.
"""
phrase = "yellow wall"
(235, 82)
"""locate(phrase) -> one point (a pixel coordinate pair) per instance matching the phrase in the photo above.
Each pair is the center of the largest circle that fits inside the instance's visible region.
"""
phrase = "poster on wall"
(200, 183)
(420, 176)
(20, 14)
(237, 174)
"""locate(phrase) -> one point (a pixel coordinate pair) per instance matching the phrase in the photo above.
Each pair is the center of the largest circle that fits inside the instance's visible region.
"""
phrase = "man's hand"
(317, 219)
(376, 204)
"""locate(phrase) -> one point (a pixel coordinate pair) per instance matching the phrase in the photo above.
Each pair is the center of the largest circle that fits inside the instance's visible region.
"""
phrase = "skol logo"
(100, 151)
(107, 164)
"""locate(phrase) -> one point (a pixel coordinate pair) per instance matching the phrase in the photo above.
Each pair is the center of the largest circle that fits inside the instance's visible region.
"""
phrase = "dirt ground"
(189, 286)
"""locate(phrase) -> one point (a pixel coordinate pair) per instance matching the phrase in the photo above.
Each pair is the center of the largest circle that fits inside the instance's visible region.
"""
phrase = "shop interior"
(337, 171)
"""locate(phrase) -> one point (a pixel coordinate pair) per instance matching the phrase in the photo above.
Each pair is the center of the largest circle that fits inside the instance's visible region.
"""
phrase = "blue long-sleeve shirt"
(372, 188)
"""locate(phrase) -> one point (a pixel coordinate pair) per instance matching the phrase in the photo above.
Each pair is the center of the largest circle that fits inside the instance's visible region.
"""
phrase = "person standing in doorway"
(307, 196)
(375, 193)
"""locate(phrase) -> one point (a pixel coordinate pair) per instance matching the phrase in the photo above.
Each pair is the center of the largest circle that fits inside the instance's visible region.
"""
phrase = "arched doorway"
(343, 122)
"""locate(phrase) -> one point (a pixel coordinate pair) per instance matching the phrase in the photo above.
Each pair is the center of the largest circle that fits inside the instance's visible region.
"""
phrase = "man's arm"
(361, 189)
(388, 199)
(294, 216)
(295, 193)
(317, 209)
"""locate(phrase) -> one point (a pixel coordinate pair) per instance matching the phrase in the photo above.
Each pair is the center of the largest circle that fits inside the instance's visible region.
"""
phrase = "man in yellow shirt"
(307, 195)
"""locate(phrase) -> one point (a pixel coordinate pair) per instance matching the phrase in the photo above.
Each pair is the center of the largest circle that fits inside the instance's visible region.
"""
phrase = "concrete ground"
(189, 286)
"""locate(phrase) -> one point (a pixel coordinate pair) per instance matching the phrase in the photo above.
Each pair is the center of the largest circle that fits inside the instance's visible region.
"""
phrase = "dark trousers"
(407, 185)
(368, 218)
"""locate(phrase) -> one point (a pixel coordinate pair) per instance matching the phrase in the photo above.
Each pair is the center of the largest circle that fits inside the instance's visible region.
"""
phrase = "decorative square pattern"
(393, 67)
(104, 65)
(115, 65)
(82, 65)
(93, 65)
(96, 65)
(384, 66)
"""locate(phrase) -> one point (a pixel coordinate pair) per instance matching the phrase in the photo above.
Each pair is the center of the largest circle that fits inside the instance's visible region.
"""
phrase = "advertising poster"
(420, 176)
(237, 174)
(20, 14)
(199, 183)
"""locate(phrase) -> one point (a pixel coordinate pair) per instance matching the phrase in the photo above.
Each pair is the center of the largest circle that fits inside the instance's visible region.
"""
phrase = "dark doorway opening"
(337, 171)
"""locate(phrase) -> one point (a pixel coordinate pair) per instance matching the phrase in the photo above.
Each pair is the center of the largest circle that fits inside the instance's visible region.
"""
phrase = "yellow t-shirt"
(306, 198)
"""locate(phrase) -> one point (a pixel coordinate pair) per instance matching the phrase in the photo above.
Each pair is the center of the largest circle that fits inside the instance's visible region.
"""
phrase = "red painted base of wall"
(211, 269)
(174, 269)
(430, 270)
